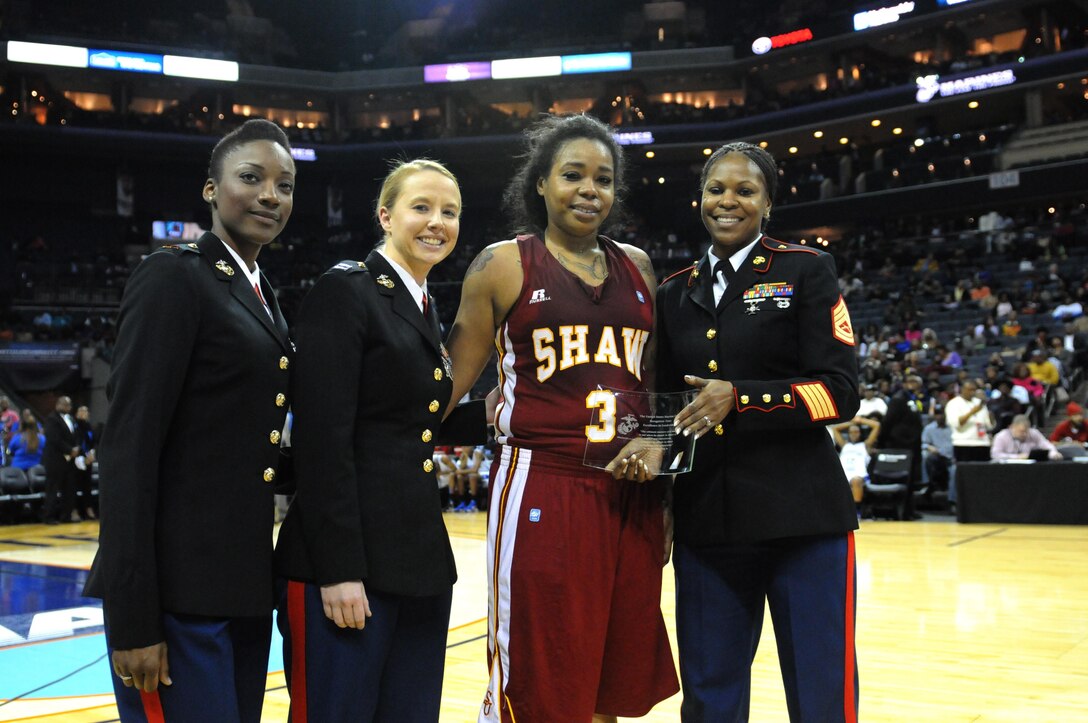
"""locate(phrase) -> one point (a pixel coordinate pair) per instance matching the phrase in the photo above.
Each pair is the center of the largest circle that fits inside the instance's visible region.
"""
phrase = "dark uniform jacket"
(370, 387)
(782, 336)
(902, 429)
(188, 457)
(59, 442)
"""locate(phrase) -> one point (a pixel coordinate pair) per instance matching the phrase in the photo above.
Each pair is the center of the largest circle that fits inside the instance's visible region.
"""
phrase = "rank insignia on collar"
(385, 281)
(783, 246)
(192, 246)
(759, 260)
(224, 267)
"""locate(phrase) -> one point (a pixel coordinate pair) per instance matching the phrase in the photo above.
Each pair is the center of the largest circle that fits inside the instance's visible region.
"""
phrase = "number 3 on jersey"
(605, 402)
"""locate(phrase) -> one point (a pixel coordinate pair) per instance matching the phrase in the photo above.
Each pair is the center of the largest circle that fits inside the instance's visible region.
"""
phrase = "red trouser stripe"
(296, 617)
(504, 702)
(152, 707)
(849, 710)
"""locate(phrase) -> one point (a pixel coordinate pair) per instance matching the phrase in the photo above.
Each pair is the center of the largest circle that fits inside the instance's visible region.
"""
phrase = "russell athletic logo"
(539, 296)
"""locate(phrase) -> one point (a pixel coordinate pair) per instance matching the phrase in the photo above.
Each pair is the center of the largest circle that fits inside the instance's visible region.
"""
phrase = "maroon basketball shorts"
(574, 581)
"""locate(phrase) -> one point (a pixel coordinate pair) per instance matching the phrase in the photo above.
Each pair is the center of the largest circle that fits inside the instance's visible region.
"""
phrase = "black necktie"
(726, 269)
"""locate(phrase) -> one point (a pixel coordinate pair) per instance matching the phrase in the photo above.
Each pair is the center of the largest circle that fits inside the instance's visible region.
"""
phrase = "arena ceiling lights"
(74, 57)
(539, 67)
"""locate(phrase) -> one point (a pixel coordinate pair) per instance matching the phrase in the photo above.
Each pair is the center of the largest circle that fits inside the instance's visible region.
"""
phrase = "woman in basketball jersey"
(574, 556)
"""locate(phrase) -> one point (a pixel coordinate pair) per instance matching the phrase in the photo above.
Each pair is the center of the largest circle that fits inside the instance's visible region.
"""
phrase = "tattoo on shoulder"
(644, 265)
(480, 261)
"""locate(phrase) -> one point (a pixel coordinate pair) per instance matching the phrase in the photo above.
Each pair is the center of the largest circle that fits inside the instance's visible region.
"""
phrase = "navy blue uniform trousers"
(219, 668)
(391, 670)
(809, 585)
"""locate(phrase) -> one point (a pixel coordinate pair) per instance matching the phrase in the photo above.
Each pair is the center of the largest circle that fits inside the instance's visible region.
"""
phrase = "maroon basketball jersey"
(561, 340)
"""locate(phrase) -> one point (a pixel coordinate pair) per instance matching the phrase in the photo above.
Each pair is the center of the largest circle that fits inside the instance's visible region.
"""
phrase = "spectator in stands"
(875, 367)
(1076, 337)
(1061, 358)
(1006, 401)
(1021, 377)
(61, 450)
(467, 477)
(365, 565)
(1068, 309)
(198, 399)
(971, 423)
(9, 421)
(949, 359)
(902, 429)
(1040, 342)
(855, 451)
(980, 291)
(1004, 306)
(606, 660)
(26, 447)
(1072, 428)
(871, 402)
(939, 462)
(1042, 369)
(1019, 440)
(446, 470)
(1011, 325)
(987, 330)
(913, 333)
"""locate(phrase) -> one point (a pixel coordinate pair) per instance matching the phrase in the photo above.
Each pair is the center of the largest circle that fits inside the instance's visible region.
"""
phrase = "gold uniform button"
(281, 399)
(269, 474)
(712, 365)
(743, 398)
(274, 436)
(428, 465)
(786, 398)
(711, 333)
(284, 362)
(426, 435)
(437, 374)
(719, 430)
(766, 398)
(433, 406)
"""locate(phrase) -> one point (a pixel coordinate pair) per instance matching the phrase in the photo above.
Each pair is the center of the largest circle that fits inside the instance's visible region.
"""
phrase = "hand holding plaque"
(633, 433)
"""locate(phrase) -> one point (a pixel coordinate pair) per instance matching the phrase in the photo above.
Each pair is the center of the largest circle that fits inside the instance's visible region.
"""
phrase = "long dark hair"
(522, 203)
(32, 438)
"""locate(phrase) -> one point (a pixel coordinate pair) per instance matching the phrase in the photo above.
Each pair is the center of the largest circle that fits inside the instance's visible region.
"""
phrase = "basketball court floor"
(970, 623)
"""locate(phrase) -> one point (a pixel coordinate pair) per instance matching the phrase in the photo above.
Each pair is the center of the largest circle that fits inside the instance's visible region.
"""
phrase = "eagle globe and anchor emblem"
(628, 424)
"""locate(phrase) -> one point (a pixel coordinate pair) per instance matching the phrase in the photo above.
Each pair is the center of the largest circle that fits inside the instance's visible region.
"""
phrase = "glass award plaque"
(638, 424)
